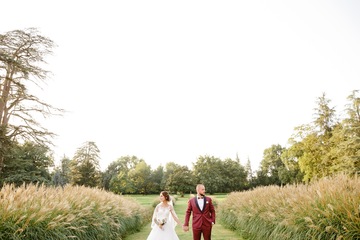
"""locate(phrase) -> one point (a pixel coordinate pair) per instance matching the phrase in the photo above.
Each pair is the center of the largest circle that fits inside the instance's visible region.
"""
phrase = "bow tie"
(200, 197)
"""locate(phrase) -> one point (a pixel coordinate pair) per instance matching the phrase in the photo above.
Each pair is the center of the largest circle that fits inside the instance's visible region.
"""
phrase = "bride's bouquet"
(160, 222)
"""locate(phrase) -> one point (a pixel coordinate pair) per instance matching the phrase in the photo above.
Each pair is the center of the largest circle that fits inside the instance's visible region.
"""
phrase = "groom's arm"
(187, 216)
(188, 213)
(212, 211)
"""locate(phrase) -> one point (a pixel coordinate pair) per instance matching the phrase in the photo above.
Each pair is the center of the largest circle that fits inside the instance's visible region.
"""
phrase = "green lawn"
(218, 233)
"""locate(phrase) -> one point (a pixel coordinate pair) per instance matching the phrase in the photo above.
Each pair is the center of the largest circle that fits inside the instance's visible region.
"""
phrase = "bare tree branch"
(22, 55)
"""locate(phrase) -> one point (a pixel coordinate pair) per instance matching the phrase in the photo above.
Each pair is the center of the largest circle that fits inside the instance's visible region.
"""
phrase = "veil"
(171, 219)
(153, 224)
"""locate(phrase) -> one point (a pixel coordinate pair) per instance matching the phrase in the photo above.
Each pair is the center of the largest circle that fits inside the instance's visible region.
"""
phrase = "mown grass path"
(218, 232)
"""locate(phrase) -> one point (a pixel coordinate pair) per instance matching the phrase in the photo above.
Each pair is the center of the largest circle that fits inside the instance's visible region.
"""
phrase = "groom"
(203, 212)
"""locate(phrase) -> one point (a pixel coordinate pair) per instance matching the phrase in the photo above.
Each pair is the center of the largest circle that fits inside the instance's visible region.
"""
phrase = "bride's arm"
(173, 213)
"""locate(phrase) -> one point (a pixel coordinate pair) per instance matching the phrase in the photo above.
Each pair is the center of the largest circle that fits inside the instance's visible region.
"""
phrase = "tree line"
(130, 175)
(330, 144)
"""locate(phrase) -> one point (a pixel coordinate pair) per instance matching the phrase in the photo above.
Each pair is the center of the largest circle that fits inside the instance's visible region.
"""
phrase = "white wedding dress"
(167, 232)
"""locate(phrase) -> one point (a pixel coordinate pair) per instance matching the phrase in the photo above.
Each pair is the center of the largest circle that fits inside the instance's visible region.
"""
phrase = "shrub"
(326, 209)
(39, 212)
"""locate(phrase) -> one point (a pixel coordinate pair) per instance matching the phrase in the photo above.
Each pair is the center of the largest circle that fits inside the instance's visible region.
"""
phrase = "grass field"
(218, 233)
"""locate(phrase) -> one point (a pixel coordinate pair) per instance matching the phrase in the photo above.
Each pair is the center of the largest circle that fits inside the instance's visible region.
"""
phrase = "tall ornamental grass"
(326, 209)
(39, 212)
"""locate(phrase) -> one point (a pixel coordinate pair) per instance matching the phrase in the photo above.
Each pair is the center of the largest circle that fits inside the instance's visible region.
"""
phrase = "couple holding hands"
(165, 219)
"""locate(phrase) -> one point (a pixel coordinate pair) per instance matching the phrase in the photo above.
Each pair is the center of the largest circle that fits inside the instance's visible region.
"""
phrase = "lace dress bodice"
(162, 214)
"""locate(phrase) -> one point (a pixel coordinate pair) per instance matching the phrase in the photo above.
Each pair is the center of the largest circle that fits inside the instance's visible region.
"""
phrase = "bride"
(164, 220)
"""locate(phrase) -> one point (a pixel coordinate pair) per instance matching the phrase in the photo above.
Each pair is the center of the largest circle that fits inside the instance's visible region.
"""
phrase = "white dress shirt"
(201, 203)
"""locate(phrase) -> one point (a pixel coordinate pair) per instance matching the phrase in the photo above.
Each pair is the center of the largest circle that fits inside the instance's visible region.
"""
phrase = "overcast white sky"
(173, 80)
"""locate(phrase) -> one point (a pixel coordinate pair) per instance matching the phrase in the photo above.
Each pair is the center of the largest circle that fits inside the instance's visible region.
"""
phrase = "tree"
(313, 143)
(85, 167)
(170, 167)
(292, 174)
(181, 180)
(324, 116)
(261, 179)
(272, 165)
(234, 175)
(22, 54)
(156, 180)
(28, 163)
(324, 125)
(353, 125)
(62, 173)
(346, 138)
(249, 174)
(120, 182)
(207, 170)
(111, 172)
(140, 177)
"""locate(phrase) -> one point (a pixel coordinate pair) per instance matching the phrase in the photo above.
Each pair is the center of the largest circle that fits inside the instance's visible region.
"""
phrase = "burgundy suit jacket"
(199, 218)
